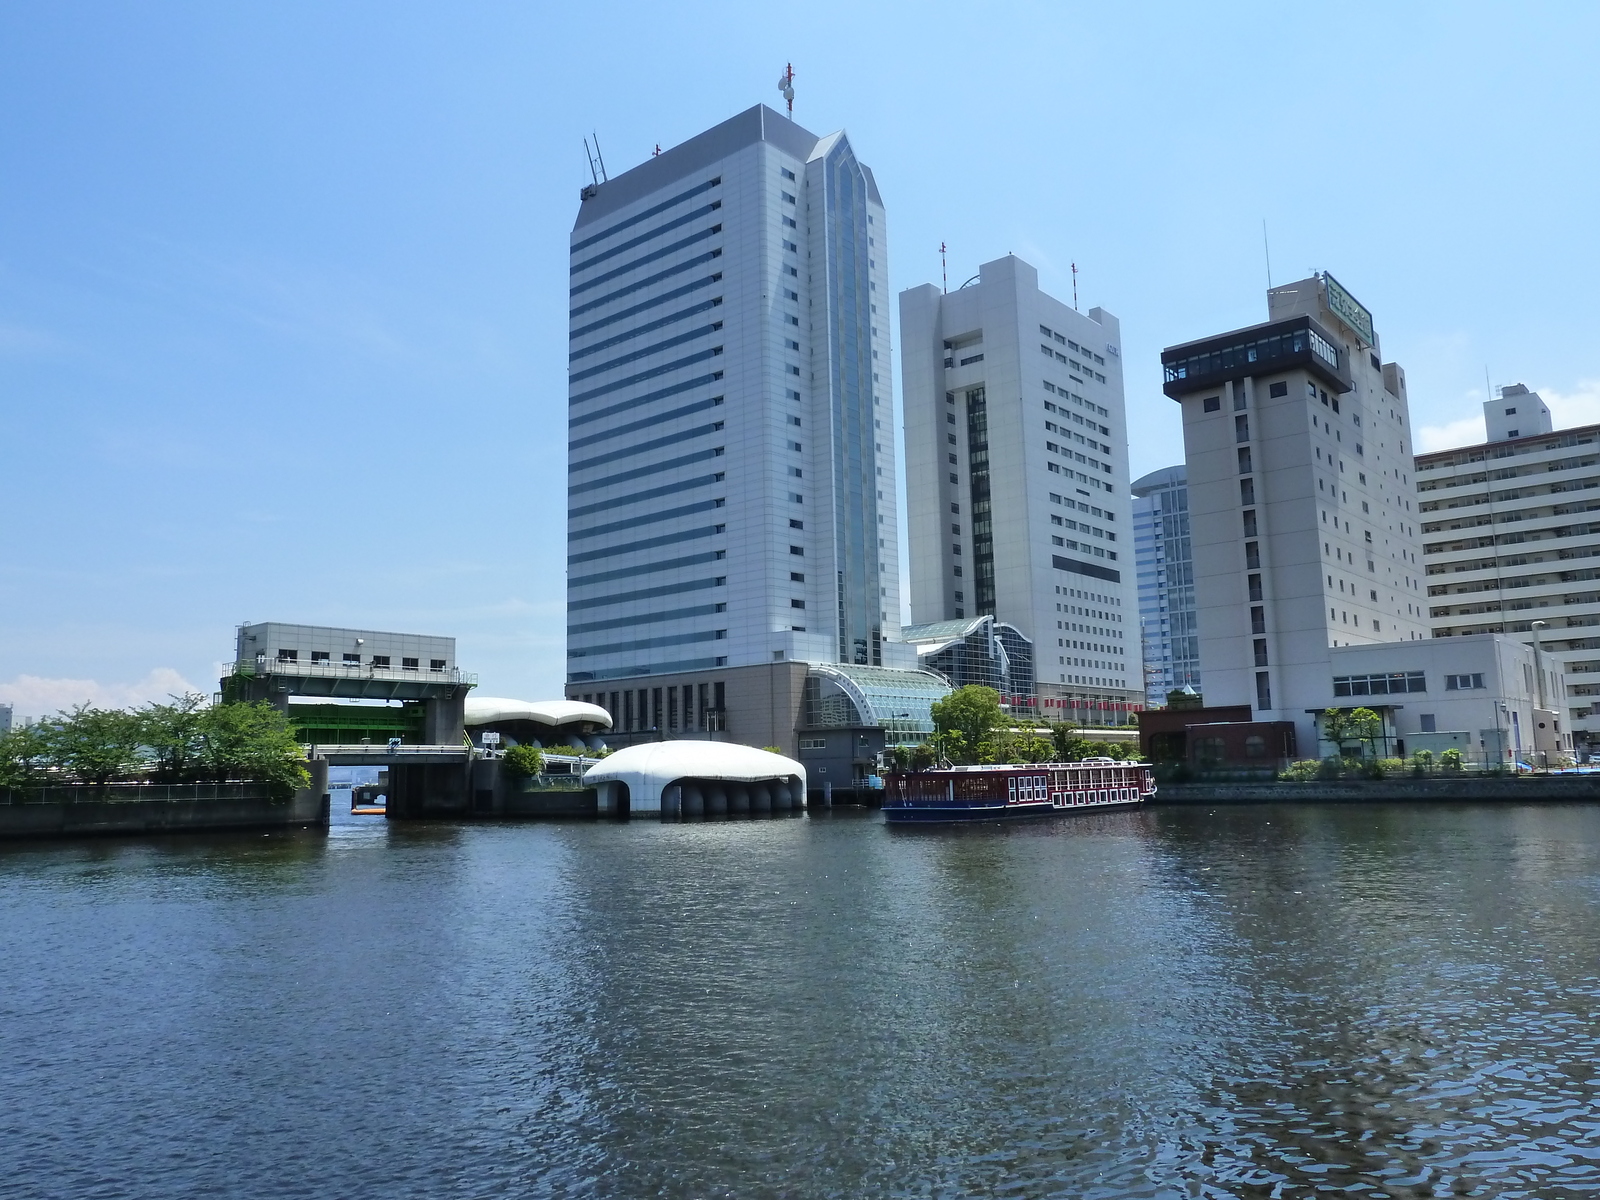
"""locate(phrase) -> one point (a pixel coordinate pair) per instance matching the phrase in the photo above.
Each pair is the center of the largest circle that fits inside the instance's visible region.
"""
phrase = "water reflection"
(1175, 1002)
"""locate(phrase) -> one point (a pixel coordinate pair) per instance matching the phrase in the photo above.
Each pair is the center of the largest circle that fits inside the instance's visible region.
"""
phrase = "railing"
(129, 793)
(404, 749)
(343, 670)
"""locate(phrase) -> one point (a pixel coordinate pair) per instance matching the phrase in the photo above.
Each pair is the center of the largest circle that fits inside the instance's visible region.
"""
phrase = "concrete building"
(1168, 625)
(350, 685)
(731, 468)
(1508, 537)
(1017, 481)
(5, 719)
(1297, 444)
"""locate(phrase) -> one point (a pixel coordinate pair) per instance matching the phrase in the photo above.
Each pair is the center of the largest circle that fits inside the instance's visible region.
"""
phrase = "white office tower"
(1168, 626)
(1017, 481)
(1298, 447)
(1508, 538)
(731, 474)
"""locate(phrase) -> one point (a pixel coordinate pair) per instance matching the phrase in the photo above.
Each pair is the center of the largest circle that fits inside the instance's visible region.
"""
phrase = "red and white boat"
(1001, 792)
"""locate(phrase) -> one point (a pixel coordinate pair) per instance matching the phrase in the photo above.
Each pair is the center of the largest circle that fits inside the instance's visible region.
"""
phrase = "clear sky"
(282, 286)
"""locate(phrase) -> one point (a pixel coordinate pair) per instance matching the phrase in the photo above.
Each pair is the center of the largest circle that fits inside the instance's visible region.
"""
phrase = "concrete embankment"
(123, 809)
(1525, 789)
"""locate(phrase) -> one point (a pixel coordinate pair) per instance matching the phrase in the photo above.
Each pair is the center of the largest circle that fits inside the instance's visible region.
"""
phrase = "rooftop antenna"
(786, 87)
(589, 154)
(1267, 246)
(656, 153)
(1074, 287)
(604, 178)
(944, 269)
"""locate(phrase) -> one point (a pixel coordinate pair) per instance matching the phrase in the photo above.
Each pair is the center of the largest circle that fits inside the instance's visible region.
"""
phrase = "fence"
(134, 793)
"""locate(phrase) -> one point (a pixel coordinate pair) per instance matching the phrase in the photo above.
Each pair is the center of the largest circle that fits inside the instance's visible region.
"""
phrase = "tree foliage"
(182, 742)
(973, 711)
(522, 762)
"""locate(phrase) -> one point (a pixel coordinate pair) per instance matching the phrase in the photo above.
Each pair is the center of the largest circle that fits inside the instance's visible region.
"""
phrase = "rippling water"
(1354, 1001)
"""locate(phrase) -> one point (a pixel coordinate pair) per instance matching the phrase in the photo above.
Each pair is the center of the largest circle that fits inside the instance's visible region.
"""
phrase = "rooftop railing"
(325, 669)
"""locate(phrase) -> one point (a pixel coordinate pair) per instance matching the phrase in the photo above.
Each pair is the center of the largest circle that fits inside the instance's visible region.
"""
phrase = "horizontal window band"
(671, 439)
(620, 384)
(665, 539)
(639, 472)
(675, 614)
(643, 352)
(651, 235)
(653, 302)
(1083, 568)
(682, 314)
(666, 564)
(647, 519)
(629, 222)
(672, 668)
(644, 423)
(626, 268)
(688, 385)
(666, 489)
(654, 643)
(637, 285)
(650, 593)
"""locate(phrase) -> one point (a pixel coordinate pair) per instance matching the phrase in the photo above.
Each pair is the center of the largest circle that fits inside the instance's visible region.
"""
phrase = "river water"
(1380, 1001)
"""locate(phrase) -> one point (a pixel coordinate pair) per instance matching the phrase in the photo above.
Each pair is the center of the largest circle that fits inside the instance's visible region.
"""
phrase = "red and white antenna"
(1074, 287)
(786, 87)
(944, 271)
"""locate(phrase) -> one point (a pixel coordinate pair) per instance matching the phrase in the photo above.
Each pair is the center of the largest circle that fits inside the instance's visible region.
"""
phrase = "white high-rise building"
(1017, 481)
(731, 467)
(1508, 539)
(1297, 442)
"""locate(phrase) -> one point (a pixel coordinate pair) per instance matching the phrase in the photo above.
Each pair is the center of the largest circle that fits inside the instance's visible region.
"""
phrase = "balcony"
(1259, 350)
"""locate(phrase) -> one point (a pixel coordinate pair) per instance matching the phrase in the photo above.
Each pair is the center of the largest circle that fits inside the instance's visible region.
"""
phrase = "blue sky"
(282, 287)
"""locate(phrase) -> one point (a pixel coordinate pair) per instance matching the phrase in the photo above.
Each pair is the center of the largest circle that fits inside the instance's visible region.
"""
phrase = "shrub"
(1450, 760)
(1331, 767)
(1302, 771)
(522, 762)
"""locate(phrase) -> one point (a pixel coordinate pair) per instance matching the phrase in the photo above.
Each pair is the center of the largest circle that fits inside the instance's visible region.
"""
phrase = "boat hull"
(935, 814)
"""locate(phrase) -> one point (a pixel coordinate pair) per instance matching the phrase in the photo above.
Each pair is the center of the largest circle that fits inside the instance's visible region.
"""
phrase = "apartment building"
(1303, 529)
(1164, 562)
(1017, 481)
(1511, 544)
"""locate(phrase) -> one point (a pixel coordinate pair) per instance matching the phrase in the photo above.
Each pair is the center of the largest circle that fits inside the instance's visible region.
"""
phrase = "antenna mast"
(1074, 287)
(944, 269)
(604, 178)
(786, 87)
(1267, 247)
(589, 154)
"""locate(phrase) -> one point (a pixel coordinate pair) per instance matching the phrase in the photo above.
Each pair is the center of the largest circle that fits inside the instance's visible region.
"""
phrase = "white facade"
(320, 647)
(731, 457)
(1297, 441)
(1485, 694)
(1017, 478)
(1509, 539)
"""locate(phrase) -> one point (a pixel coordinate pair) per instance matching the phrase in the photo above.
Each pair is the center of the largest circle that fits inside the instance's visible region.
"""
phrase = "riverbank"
(126, 809)
(1520, 789)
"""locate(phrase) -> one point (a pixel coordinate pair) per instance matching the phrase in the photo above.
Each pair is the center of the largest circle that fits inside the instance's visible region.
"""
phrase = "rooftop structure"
(686, 778)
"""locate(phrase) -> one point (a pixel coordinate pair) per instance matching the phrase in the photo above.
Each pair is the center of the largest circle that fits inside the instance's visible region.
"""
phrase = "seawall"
(1525, 789)
(124, 809)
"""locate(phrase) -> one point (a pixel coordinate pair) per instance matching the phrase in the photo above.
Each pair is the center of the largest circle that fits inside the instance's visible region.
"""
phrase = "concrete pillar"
(444, 719)
(761, 797)
(797, 794)
(671, 801)
(606, 798)
(739, 799)
(716, 800)
(694, 801)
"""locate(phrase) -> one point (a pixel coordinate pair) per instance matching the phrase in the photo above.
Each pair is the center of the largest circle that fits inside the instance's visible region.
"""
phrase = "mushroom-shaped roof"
(489, 710)
(648, 768)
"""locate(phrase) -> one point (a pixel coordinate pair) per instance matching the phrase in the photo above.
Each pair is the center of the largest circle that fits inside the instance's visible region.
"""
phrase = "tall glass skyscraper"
(731, 468)
(1168, 626)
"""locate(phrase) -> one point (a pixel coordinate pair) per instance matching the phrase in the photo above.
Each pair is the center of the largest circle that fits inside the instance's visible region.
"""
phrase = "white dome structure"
(553, 724)
(692, 778)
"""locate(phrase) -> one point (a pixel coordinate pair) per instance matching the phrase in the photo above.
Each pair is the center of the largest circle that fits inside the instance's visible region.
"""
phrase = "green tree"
(171, 734)
(251, 741)
(974, 713)
(522, 762)
(23, 757)
(1341, 726)
(93, 745)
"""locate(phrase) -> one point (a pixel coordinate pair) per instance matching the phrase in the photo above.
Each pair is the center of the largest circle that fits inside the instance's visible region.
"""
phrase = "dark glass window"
(1211, 403)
